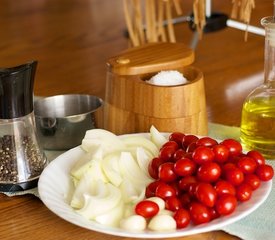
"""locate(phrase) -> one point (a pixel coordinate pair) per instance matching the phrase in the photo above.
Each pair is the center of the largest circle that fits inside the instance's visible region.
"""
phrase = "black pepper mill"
(21, 157)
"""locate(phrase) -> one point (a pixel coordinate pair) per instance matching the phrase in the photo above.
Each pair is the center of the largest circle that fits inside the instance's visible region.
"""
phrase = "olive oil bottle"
(258, 114)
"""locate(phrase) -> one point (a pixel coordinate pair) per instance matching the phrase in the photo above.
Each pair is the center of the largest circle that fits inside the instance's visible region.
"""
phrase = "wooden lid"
(151, 57)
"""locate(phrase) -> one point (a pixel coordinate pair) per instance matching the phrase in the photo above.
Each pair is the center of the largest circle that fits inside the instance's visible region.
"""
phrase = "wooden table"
(72, 39)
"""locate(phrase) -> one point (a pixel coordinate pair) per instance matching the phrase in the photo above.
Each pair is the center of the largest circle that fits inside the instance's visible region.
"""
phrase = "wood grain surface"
(72, 41)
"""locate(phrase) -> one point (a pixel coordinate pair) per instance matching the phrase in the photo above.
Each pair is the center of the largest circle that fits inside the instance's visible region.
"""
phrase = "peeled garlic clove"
(159, 201)
(162, 223)
(166, 212)
(133, 223)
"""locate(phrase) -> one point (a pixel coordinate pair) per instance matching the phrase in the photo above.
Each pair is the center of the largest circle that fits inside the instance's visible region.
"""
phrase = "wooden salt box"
(133, 105)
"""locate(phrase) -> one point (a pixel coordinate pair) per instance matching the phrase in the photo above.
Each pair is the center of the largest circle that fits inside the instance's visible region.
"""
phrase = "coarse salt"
(168, 78)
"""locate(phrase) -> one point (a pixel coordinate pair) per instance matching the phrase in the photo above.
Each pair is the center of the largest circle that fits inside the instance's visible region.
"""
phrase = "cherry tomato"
(253, 180)
(213, 213)
(188, 155)
(257, 156)
(234, 147)
(235, 176)
(235, 159)
(199, 213)
(185, 199)
(166, 172)
(184, 167)
(153, 167)
(226, 204)
(221, 153)
(188, 139)
(206, 194)
(191, 147)
(206, 141)
(202, 155)
(243, 192)
(164, 191)
(166, 153)
(209, 172)
(265, 172)
(228, 165)
(172, 144)
(182, 218)
(247, 164)
(150, 190)
(192, 189)
(175, 185)
(223, 187)
(180, 153)
(173, 204)
(177, 137)
(147, 208)
(185, 182)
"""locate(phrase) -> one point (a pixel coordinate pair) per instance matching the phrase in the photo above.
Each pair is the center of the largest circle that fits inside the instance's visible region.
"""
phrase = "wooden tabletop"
(72, 40)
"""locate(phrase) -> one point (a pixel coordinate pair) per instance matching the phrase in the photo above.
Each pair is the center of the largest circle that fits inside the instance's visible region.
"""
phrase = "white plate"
(55, 184)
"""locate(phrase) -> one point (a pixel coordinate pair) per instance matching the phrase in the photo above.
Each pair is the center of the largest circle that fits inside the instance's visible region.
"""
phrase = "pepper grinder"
(21, 158)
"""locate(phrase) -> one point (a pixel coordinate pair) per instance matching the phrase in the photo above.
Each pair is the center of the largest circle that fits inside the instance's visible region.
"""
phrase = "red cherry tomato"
(182, 218)
(206, 194)
(188, 155)
(177, 137)
(243, 192)
(234, 147)
(228, 165)
(221, 153)
(164, 191)
(185, 199)
(257, 156)
(226, 204)
(150, 190)
(191, 147)
(265, 172)
(206, 141)
(176, 187)
(253, 180)
(224, 187)
(213, 213)
(247, 164)
(184, 167)
(153, 167)
(209, 172)
(180, 153)
(192, 189)
(147, 208)
(235, 176)
(188, 139)
(172, 144)
(166, 172)
(203, 154)
(199, 213)
(166, 153)
(173, 204)
(185, 182)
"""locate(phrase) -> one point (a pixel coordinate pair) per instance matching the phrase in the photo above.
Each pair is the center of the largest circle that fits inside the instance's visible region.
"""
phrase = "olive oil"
(258, 125)
(258, 114)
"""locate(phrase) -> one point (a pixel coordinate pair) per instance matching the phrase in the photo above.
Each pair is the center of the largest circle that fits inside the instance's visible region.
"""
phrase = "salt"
(168, 78)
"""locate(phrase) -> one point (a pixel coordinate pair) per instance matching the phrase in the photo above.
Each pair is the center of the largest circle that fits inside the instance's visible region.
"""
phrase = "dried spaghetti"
(152, 20)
